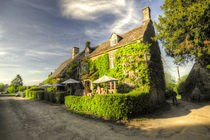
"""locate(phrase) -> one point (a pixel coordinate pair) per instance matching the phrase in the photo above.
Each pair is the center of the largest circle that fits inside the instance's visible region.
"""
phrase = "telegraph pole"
(178, 73)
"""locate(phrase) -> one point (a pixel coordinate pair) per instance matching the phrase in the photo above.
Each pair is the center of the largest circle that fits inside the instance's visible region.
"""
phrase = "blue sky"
(37, 35)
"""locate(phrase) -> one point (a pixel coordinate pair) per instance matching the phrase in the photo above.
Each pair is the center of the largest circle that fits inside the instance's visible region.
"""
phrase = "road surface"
(23, 119)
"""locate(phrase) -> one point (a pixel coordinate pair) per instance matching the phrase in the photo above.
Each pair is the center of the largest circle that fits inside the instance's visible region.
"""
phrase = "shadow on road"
(31, 119)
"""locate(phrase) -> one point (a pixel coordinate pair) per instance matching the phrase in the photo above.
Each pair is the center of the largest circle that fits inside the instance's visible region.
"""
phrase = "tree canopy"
(184, 30)
(17, 81)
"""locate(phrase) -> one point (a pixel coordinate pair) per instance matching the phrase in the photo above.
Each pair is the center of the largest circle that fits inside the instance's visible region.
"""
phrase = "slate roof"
(126, 38)
(65, 65)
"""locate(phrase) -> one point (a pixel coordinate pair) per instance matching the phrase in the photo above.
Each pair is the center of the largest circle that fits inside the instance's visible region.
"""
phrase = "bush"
(21, 88)
(46, 96)
(111, 106)
(34, 93)
(60, 97)
(11, 89)
(52, 97)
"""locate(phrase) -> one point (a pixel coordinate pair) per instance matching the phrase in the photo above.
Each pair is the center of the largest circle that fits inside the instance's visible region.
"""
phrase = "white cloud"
(35, 71)
(125, 11)
(10, 66)
(90, 9)
(5, 81)
(3, 53)
(35, 53)
(127, 21)
(33, 82)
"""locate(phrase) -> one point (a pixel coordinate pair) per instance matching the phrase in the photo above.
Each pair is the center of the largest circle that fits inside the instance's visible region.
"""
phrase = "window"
(111, 60)
(114, 39)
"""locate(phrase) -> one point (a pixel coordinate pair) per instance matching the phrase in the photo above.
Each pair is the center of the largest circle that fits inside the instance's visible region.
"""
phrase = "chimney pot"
(75, 51)
(146, 13)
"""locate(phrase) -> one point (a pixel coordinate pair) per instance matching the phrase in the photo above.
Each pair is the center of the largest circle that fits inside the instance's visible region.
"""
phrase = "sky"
(36, 36)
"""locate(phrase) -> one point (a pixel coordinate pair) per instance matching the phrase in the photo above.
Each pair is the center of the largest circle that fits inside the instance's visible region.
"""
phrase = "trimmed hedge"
(111, 106)
(34, 94)
(60, 97)
(40, 94)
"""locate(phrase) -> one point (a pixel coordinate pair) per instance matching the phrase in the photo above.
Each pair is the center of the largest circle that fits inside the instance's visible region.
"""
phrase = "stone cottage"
(142, 34)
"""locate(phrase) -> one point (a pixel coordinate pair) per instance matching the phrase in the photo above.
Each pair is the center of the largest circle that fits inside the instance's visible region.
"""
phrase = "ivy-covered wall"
(131, 67)
(73, 71)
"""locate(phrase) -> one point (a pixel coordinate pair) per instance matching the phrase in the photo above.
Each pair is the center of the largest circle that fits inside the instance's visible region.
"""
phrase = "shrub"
(46, 96)
(52, 97)
(60, 97)
(39, 95)
(111, 106)
(34, 93)
(21, 88)
(11, 89)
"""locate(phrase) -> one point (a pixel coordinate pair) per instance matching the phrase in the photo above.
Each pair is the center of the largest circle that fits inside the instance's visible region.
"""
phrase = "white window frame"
(113, 41)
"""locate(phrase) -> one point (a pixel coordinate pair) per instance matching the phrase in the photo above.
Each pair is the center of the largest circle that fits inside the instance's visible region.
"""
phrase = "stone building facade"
(143, 33)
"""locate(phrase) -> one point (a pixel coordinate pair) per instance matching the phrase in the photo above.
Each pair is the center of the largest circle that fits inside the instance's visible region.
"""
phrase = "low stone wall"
(197, 85)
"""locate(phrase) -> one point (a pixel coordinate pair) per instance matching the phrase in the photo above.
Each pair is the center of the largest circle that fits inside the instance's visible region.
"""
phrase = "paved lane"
(22, 119)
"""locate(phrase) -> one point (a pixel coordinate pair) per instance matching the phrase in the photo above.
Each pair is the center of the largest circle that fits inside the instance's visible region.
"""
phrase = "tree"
(11, 89)
(3, 87)
(17, 81)
(184, 30)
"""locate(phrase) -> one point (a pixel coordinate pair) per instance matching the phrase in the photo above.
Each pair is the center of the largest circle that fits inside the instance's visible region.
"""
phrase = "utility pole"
(178, 73)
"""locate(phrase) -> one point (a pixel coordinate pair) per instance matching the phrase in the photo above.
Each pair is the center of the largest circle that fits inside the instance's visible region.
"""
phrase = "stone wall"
(155, 66)
(197, 84)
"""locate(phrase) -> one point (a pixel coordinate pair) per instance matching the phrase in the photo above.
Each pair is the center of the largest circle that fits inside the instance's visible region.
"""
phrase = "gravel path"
(23, 119)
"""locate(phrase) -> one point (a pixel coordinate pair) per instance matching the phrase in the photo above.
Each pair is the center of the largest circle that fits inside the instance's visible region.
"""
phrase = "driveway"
(23, 119)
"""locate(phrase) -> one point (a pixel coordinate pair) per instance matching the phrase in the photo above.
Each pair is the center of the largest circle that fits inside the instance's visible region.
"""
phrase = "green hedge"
(60, 97)
(111, 106)
(38, 93)
(34, 94)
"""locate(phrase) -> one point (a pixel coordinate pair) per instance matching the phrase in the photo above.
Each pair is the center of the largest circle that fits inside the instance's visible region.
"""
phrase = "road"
(23, 119)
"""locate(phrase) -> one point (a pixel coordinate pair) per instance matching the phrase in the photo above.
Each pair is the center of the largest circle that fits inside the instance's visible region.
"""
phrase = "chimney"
(87, 48)
(146, 13)
(87, 44)
(75, 51)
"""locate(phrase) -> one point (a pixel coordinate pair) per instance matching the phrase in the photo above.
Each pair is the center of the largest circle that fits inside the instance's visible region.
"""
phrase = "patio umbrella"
(104, 79)
(46, 85)
(57, 85)
(70, 81)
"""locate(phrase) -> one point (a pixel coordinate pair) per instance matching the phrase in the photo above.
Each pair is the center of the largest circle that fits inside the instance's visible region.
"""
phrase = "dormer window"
(114, 39)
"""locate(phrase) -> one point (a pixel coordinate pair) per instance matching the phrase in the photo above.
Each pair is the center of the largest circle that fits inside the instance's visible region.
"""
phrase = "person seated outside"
(98, 91)
(103, 91)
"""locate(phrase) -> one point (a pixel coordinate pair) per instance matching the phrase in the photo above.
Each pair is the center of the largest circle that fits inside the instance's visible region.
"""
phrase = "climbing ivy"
(130, 65)
(72, 67)
(102, 64)
(51, 81)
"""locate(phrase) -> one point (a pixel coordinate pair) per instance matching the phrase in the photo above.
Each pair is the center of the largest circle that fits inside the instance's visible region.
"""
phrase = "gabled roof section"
(114, 34)
(127, 38)
(65, 65)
